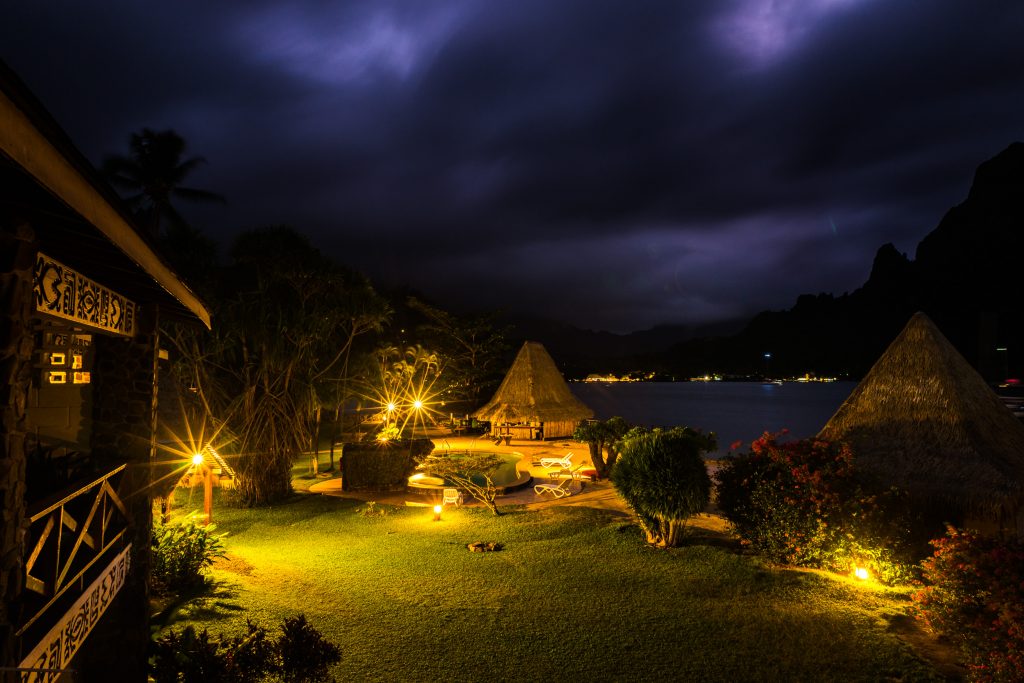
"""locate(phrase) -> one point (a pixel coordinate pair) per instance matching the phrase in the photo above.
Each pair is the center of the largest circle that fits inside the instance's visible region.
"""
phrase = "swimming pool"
(506, 479)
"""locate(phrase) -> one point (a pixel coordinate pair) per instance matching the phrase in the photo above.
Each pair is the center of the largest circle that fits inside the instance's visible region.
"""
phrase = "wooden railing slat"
(78, 541)
(39, 545)
(50, 508)
(35, 585)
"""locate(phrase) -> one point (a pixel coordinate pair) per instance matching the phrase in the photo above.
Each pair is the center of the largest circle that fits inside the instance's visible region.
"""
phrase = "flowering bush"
(800, 503)
(974, 593)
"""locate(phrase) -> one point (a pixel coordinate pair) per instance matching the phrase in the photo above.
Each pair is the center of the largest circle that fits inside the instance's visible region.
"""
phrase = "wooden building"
(533, 401)
(81, 295)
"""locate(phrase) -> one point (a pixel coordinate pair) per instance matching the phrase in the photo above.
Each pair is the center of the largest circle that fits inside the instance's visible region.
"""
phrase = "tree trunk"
(598, 459)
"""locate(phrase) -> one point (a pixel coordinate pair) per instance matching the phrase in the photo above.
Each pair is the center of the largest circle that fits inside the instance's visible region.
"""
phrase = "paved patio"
(601, 495)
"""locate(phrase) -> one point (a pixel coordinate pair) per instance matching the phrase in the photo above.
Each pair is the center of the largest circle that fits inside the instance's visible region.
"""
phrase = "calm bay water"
(735, 411)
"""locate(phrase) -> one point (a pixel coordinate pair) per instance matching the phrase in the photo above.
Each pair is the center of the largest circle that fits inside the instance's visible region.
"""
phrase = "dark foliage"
(973, 593)
(305, 653)
(299, 655)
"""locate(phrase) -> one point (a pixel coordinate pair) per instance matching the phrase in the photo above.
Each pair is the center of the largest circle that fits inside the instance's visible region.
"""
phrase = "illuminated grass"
(574, 594)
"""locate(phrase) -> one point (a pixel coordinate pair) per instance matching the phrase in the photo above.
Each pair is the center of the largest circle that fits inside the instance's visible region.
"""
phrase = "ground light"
(437, 513)
(861, 573)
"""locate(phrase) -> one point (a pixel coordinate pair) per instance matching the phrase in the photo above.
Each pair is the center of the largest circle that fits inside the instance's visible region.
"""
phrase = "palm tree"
(153, 172)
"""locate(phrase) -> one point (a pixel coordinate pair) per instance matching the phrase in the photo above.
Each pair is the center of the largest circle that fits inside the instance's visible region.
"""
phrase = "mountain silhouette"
(965, 276)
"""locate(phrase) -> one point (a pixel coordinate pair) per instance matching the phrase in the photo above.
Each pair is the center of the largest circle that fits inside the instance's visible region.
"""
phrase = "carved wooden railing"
(68, 537)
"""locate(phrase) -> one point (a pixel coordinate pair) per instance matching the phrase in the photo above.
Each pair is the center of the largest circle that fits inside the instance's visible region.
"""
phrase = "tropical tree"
(604, 439)
(403, 387)
(153, 172)
(286, 321)
(473, 348)
(663, 478)
(472, 472)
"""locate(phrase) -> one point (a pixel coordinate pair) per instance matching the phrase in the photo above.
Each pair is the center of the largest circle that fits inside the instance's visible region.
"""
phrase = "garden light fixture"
(437, 513)
(861, 573)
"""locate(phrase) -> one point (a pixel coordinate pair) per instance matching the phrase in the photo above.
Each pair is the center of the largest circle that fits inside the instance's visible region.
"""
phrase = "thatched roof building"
(535, 393)
(924, 420)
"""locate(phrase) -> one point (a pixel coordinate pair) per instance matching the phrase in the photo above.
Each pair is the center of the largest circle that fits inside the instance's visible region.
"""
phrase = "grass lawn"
(575, 593)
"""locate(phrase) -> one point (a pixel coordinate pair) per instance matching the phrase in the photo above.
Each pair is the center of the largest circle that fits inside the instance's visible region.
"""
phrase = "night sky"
(611, 164)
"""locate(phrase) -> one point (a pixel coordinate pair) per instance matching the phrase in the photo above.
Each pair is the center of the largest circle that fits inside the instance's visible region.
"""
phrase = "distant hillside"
(580, 352)
(966, 276)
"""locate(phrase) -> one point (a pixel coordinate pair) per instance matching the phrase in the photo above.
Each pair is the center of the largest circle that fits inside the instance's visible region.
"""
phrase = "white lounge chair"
(559, 490)
(563, 463)
(452, 497)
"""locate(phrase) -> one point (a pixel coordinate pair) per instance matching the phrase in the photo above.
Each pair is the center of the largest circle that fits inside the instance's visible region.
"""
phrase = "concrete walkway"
(590, 494)
(601, 495)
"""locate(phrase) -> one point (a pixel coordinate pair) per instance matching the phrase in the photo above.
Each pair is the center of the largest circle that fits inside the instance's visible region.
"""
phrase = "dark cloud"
(612, 165)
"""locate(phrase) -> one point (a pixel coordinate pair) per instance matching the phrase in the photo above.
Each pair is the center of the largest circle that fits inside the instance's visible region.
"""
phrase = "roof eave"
(39, 157)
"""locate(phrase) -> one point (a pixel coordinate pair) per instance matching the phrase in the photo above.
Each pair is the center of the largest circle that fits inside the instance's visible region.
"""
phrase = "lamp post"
(767, 364)
(199, 461)
(1006, 363)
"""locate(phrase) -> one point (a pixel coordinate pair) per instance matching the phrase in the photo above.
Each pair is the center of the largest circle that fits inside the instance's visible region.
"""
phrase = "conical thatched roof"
(533, 390)
(923, 420)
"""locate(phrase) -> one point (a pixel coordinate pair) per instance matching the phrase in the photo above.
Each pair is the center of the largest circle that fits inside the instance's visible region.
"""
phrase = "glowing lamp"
(417, 404)
(437, 513)
(391, 407)
(861, 573)
(198, 459)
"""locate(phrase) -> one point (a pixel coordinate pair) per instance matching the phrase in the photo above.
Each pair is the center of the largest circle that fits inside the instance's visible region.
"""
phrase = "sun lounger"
(452, 497)
(558, 490)
(565, 462)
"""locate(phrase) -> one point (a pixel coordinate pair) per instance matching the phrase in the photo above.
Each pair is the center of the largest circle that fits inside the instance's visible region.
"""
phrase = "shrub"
(305, 654)
(181, 552)
(974, 593)
(299, 655)
(662, 477)
(371, 510)
(191, 657)
(801, 503)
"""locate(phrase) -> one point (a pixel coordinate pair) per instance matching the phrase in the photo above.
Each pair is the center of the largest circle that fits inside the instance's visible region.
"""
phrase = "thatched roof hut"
(534, 392)
(924, 420)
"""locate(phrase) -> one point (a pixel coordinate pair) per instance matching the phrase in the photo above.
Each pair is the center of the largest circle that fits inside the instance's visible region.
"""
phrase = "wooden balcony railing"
(68, 537)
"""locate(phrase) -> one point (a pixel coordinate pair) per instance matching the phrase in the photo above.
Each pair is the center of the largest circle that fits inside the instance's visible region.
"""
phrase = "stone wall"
(17, 259)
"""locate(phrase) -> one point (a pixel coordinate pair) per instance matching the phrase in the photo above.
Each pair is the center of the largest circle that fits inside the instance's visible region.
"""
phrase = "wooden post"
(208, 493)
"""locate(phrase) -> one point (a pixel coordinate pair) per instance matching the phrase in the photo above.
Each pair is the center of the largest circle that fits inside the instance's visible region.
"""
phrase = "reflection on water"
(735, 411)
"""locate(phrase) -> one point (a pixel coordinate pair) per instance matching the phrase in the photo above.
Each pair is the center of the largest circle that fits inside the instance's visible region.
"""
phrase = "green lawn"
(575, 594)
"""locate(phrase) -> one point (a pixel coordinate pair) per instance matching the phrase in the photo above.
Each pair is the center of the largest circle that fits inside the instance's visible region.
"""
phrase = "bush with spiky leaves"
(662, 476)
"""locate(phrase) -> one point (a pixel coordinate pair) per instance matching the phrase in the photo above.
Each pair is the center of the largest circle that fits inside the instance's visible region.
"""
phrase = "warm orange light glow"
(417, 404)
(198, 459)
(391, 407)
(437, 509)
(861, 573)
(437, 513)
